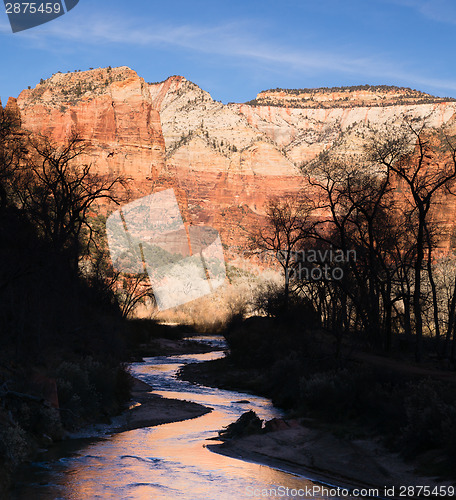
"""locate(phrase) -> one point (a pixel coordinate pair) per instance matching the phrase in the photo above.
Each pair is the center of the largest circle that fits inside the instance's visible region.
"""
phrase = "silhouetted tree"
(57, 192)
(425, 161)
(12, 150)
(287, 224)
(359, 216)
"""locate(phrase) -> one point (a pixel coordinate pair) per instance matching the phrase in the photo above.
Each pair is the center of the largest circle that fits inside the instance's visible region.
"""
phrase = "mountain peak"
(75, 85)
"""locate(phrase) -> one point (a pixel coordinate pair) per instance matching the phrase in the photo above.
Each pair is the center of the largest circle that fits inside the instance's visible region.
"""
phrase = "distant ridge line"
(350, 88)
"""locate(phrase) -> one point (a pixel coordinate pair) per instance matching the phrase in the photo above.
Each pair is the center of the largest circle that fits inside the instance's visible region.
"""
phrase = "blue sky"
(237, 48)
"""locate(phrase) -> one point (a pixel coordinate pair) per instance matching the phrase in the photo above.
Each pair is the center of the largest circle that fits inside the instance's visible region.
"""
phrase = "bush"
(270, 302)
(336, 395)
(89, 389)
(283, 380)
(14, 446)
(431, 418)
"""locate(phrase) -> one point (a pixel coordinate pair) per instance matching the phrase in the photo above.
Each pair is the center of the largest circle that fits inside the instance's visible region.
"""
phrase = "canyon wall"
(112, 111)
(224, 161)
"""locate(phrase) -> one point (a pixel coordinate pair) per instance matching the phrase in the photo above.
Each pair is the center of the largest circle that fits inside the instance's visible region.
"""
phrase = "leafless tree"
(287, 222)
(58, 192)
(135, 290)
(12, 150)
(358, 214)
(425, 161)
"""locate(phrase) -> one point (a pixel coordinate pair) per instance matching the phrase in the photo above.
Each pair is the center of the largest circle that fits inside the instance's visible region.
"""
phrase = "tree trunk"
(417, 291)
(451, 321)
(435, 303)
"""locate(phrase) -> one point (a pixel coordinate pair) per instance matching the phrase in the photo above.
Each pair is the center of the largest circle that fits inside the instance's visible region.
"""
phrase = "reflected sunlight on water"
(165, 462)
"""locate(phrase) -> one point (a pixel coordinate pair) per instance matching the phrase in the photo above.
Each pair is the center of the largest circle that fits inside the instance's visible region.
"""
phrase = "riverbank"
(148, 338)
(333, 450)
(323, 457)
(143, 409)
(148, 409)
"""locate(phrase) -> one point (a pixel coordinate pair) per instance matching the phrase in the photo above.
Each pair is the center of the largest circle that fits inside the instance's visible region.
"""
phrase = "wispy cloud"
(227, 39)
(443, 11)
(234, 41)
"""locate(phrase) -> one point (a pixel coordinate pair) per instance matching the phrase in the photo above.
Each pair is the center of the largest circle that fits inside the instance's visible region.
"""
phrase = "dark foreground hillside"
(61, 351)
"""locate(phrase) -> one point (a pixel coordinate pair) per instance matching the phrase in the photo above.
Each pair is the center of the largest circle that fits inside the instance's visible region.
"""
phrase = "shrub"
(14, 446)
(431, 418)
(89, 389)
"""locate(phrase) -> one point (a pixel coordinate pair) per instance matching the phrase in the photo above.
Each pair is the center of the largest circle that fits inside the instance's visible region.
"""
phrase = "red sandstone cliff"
(224, 161)
(110, 108)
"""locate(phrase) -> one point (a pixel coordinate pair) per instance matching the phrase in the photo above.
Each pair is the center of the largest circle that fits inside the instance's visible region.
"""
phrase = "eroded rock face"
(230, 159)
(110, 108)
(224, 161)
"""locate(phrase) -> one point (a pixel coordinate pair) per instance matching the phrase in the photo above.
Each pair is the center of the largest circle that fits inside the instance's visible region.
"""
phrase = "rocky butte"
(224, 161)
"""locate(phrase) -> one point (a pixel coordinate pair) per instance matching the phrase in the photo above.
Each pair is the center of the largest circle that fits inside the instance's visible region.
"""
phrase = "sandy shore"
(308, 452)
(148, 409)
(322, 457)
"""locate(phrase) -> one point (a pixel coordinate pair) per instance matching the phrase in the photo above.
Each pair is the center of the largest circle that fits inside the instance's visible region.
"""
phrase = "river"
(165, 462)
